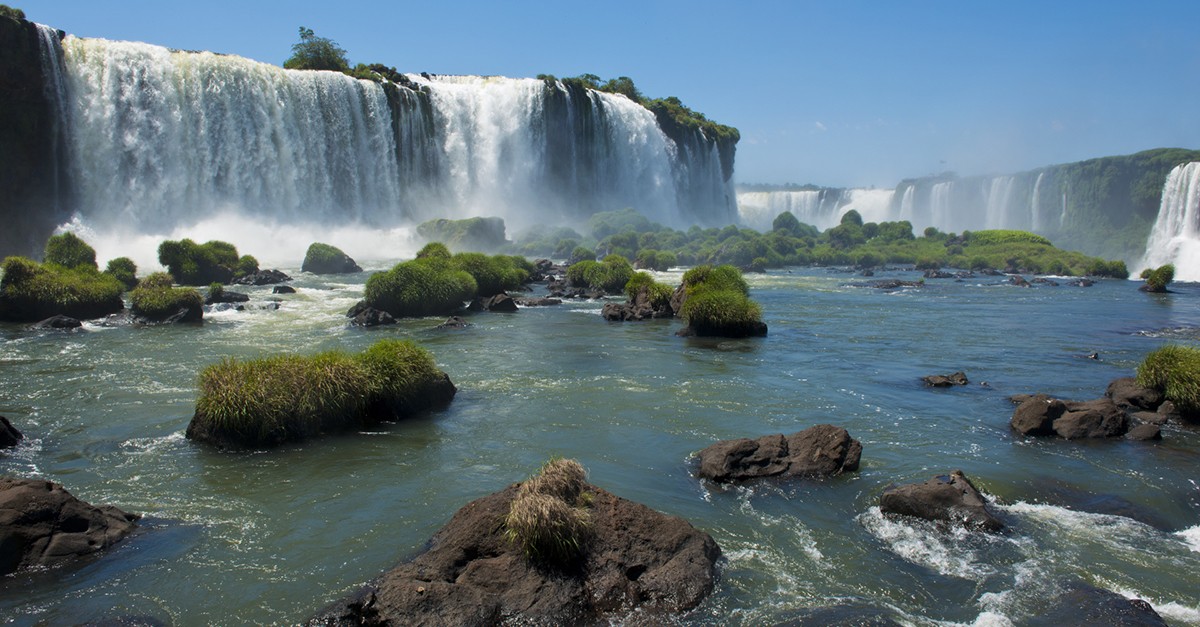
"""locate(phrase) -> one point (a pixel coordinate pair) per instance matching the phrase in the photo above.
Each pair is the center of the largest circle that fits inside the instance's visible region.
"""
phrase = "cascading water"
(1035, 209)
(162, 141)
(1175, 237)
(999, 196)
(758, 210)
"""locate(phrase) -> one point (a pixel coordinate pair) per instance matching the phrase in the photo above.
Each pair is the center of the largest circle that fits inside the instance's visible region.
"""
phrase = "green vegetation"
(156, 299)
(268, 401)
(1159, 278)
(7, 11)
(471, 234)
(437, 282)
(609, 275)
(659, 293)
(326, 259)
(68, 251)
(124, 270)
(492, 275)
(30, 291)
(1175, 371)
(200, 264)
(316, 53)
(549, 518)
(718, 303)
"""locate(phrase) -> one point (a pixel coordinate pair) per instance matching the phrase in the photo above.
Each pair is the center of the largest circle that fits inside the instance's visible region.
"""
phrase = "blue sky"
(835, 93)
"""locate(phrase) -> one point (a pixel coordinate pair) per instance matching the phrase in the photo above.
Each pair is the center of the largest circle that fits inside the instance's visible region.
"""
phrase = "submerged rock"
(9, 436)
(945, 380)
(636, 560)
(1080, 603)
(361, 315)
(538, 302)
(59, 322)
(41, 524)
(820, 451)
(948, 498)
(454, 322)
(263, 277)
(225, 296)
(283, 289)
(839, 616)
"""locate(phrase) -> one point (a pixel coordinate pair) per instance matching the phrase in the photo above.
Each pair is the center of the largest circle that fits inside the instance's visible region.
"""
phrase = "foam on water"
(921, 542)
(1191, 536)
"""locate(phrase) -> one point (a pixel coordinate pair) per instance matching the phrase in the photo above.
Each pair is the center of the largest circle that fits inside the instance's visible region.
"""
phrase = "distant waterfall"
(161, 139)
(1035, 210)
(758, 210)
(1175, 237)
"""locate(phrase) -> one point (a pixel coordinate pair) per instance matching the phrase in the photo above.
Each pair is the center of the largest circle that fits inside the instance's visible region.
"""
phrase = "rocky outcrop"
(500, 303)
(1100, 418)
(59, 323)
(326, 259)
(1079, 603)
(948, 498)
(9, 436)
(283, 289)
(225, 296)
(538, 302)
(636, 560)
(640, 308)
(263, 277)
(1127, 394)
(945, 380)
(820, 451)
(1127, 409)
(362, 315)
(41, 524)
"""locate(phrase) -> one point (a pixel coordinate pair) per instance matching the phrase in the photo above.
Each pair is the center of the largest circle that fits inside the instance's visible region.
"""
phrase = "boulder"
(263, 277)
(225, 296)
(636, 560)
(454, 322)
(820, 451)
(938, 274)
(9, 436)
(325, 259)
(1100, 418)
(500, 303)
(1144, 433)
(1169, 412)
(1078, 603)
(59, 322)
(1035, 415)
(538, 302)
(1019, 281)
(888, 285)
(945, 380)
(1149, 418)
(41, 524)
(1081, 283)
(948, 498)
(1127, 394)
(371, 317)
(283, 289)
(639, 308)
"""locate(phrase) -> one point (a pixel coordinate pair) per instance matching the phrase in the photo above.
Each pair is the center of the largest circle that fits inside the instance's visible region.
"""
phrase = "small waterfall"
(874, 205)
(940, 210)
(1175, 237)
(908, 203)
(997, 214)
(1035, 209)
(55, 88)
(758, 210)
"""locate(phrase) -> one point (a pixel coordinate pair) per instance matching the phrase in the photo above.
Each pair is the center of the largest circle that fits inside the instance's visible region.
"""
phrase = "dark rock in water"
(453, 322)
(820, 451)
(283, 289)
(1169, 412)
(1035, 415)
(1081, 283)
(945, 380)
(9, 436)
(1144, 432)
(538, 302)
(839, 616)
(1148, 418)
(1019, 281)
(1100, 418)
(888, 284)
(637, 560)
(41, 524)
(263, 277)
(948, 498)
(1044, 281)
(1083, 604)
(991, 272)
(756, 328)
(128, 318)
(60, 322)
(500, 303)
(219, 307)
(640, 308)
(1127, 394)
(370, 317)
(938, 274)
(225, 296)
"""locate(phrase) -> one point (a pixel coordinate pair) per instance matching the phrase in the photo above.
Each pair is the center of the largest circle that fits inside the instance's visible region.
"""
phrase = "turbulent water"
(1175, 237)
(161, 140)
(271, 537)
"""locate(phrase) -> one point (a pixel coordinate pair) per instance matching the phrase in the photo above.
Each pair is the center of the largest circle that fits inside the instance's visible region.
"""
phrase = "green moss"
(30, 291)
(156, 299)
(267, 401)
(325, 259)
(69, 251)
(1175, 371)
(422, 287)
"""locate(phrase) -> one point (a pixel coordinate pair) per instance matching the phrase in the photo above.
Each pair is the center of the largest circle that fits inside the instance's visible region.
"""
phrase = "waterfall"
(1175, 237)
(163, 140)
(1035, 209)
(873, 205)
(999, 196)
(55, 90)
(908, 203)
(757, 210)
(939, 206)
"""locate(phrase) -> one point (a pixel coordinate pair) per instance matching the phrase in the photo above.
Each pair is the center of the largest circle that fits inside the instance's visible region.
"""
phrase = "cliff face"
(32, 149)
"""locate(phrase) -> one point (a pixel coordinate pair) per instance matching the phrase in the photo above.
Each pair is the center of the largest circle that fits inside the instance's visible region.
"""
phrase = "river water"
(271, 537)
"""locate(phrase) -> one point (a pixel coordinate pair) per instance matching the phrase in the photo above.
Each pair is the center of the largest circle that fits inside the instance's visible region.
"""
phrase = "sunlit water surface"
(273, 536)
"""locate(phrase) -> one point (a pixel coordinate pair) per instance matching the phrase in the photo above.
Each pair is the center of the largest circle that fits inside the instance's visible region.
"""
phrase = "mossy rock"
(326, 259)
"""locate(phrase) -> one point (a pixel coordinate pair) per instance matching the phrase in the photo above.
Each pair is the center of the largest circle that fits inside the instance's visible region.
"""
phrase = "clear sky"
(839, 93)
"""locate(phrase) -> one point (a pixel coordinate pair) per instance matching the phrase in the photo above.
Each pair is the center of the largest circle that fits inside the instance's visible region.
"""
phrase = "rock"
(263, 277)
(1148, 418)
(538, 302)
(326, 259)
(59, 322)
(1019, 281)
(1045, 281)
(639, 308)
(1100, 418)
(1127, 394)
(1036, 415)
(938, 274)
(1144, 432)
(500, 303)
(1169, 412)
(820, 451)
(948, 498)
(225, 296)
(1083, 604)
(839, 616)
(1081, 283)
(370, 317)
(888, 284)
(945, 380)
(9, 436)
(637, 560)
(283, 289)
(453, 322)
(41, 524)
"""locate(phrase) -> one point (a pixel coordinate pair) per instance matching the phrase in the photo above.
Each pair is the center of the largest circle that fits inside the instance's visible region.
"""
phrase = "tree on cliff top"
(316, 53)
(7, 11)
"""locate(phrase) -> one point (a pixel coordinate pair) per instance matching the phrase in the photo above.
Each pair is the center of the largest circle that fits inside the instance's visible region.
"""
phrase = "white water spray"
(1175, 237)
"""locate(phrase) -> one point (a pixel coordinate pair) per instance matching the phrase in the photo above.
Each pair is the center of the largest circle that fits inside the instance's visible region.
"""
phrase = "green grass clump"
(1159, 278)
(548, 519)
(156, 299)
(724, 277)
(68, 251)
(201, 264)
(609, 275)
(30, 291)
(1004, 237)
(718, 303)
(659, 293)
(492, 274)
(124, 270)
(1174, 370)
(267, 401)
(422, 287)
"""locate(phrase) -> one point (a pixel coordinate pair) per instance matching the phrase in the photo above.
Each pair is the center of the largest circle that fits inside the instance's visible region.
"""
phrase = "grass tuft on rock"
(549, 519)
(30, 291)
(1159, 278)
(268, 401)
(609, 275)
(1174, 370)
(124, 270)
(201, 264)
(155, 298)
(718, 303)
